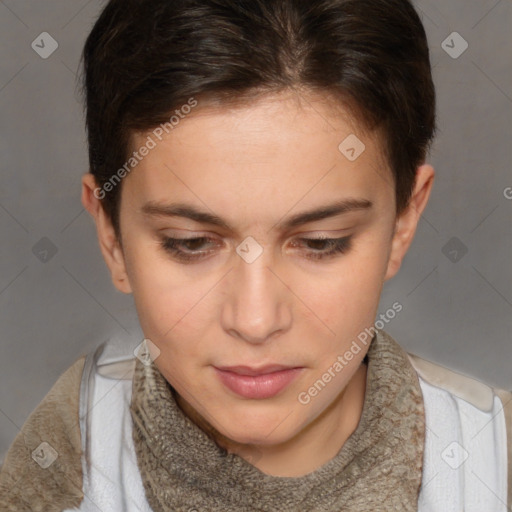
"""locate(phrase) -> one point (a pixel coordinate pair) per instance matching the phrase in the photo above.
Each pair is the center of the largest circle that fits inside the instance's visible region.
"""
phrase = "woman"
(257, 172)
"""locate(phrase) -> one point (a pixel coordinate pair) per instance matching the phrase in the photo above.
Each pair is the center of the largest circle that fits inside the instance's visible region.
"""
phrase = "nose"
(258, 304)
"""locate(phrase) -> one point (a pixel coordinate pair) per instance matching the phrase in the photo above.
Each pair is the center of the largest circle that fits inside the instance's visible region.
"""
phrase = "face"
(249, 300)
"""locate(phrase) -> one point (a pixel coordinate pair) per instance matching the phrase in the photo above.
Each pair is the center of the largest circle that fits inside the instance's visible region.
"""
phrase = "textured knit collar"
(378, 468)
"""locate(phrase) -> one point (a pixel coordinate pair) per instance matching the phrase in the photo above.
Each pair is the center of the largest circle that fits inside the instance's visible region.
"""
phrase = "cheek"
(175, 310)
(348, 296)
(162, 295)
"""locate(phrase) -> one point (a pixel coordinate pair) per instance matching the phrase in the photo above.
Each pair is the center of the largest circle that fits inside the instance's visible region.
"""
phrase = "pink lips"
(258, 383)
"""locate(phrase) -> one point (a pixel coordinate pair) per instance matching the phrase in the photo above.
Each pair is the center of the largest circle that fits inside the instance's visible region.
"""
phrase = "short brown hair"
(145, 58)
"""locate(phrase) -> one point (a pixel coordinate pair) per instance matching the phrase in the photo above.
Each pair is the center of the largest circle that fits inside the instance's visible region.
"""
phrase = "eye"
(192, 247)
(326, 247)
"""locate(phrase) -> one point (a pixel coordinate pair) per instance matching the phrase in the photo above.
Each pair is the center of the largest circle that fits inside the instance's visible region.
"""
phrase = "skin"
(255, 166)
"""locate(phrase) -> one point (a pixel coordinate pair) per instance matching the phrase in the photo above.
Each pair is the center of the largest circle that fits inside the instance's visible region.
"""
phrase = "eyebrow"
(155, 209)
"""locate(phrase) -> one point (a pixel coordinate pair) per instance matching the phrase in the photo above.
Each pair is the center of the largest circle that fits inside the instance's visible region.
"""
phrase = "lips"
(253, 372)
(257, 383)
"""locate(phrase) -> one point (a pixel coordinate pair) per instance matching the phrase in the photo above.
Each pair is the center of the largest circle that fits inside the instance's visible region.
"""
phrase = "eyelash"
(335, 246)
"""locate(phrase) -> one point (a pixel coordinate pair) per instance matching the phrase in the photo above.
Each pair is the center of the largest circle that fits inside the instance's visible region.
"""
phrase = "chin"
(270, 430)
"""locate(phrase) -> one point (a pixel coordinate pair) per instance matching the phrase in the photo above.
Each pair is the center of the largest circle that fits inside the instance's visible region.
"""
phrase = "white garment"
(111, 478)
(465, 458)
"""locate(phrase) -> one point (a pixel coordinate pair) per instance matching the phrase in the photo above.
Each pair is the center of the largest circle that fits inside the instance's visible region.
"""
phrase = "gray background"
(56, 306)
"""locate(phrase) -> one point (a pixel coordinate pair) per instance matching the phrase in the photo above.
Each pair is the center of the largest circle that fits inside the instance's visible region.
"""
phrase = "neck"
(312, 447)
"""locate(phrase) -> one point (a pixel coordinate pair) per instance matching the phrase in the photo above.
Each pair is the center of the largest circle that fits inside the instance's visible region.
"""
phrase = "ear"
(406, 223)
(109, 244)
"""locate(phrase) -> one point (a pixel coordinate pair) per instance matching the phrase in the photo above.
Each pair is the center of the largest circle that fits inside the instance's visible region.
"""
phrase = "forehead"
(284, 145)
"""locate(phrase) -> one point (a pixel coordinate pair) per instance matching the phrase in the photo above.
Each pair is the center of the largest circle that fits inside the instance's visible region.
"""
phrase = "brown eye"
(326, 247)
(194, 247)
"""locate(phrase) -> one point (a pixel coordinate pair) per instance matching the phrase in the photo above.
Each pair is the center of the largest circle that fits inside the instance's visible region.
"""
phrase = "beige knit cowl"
(378, 468)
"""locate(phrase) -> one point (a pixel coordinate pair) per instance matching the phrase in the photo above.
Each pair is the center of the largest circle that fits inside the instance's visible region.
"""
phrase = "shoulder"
(475, 392)
(42, 469)
(471, 390)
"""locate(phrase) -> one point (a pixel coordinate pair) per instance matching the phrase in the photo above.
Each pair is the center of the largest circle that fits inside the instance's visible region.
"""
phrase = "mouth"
(257, 383)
